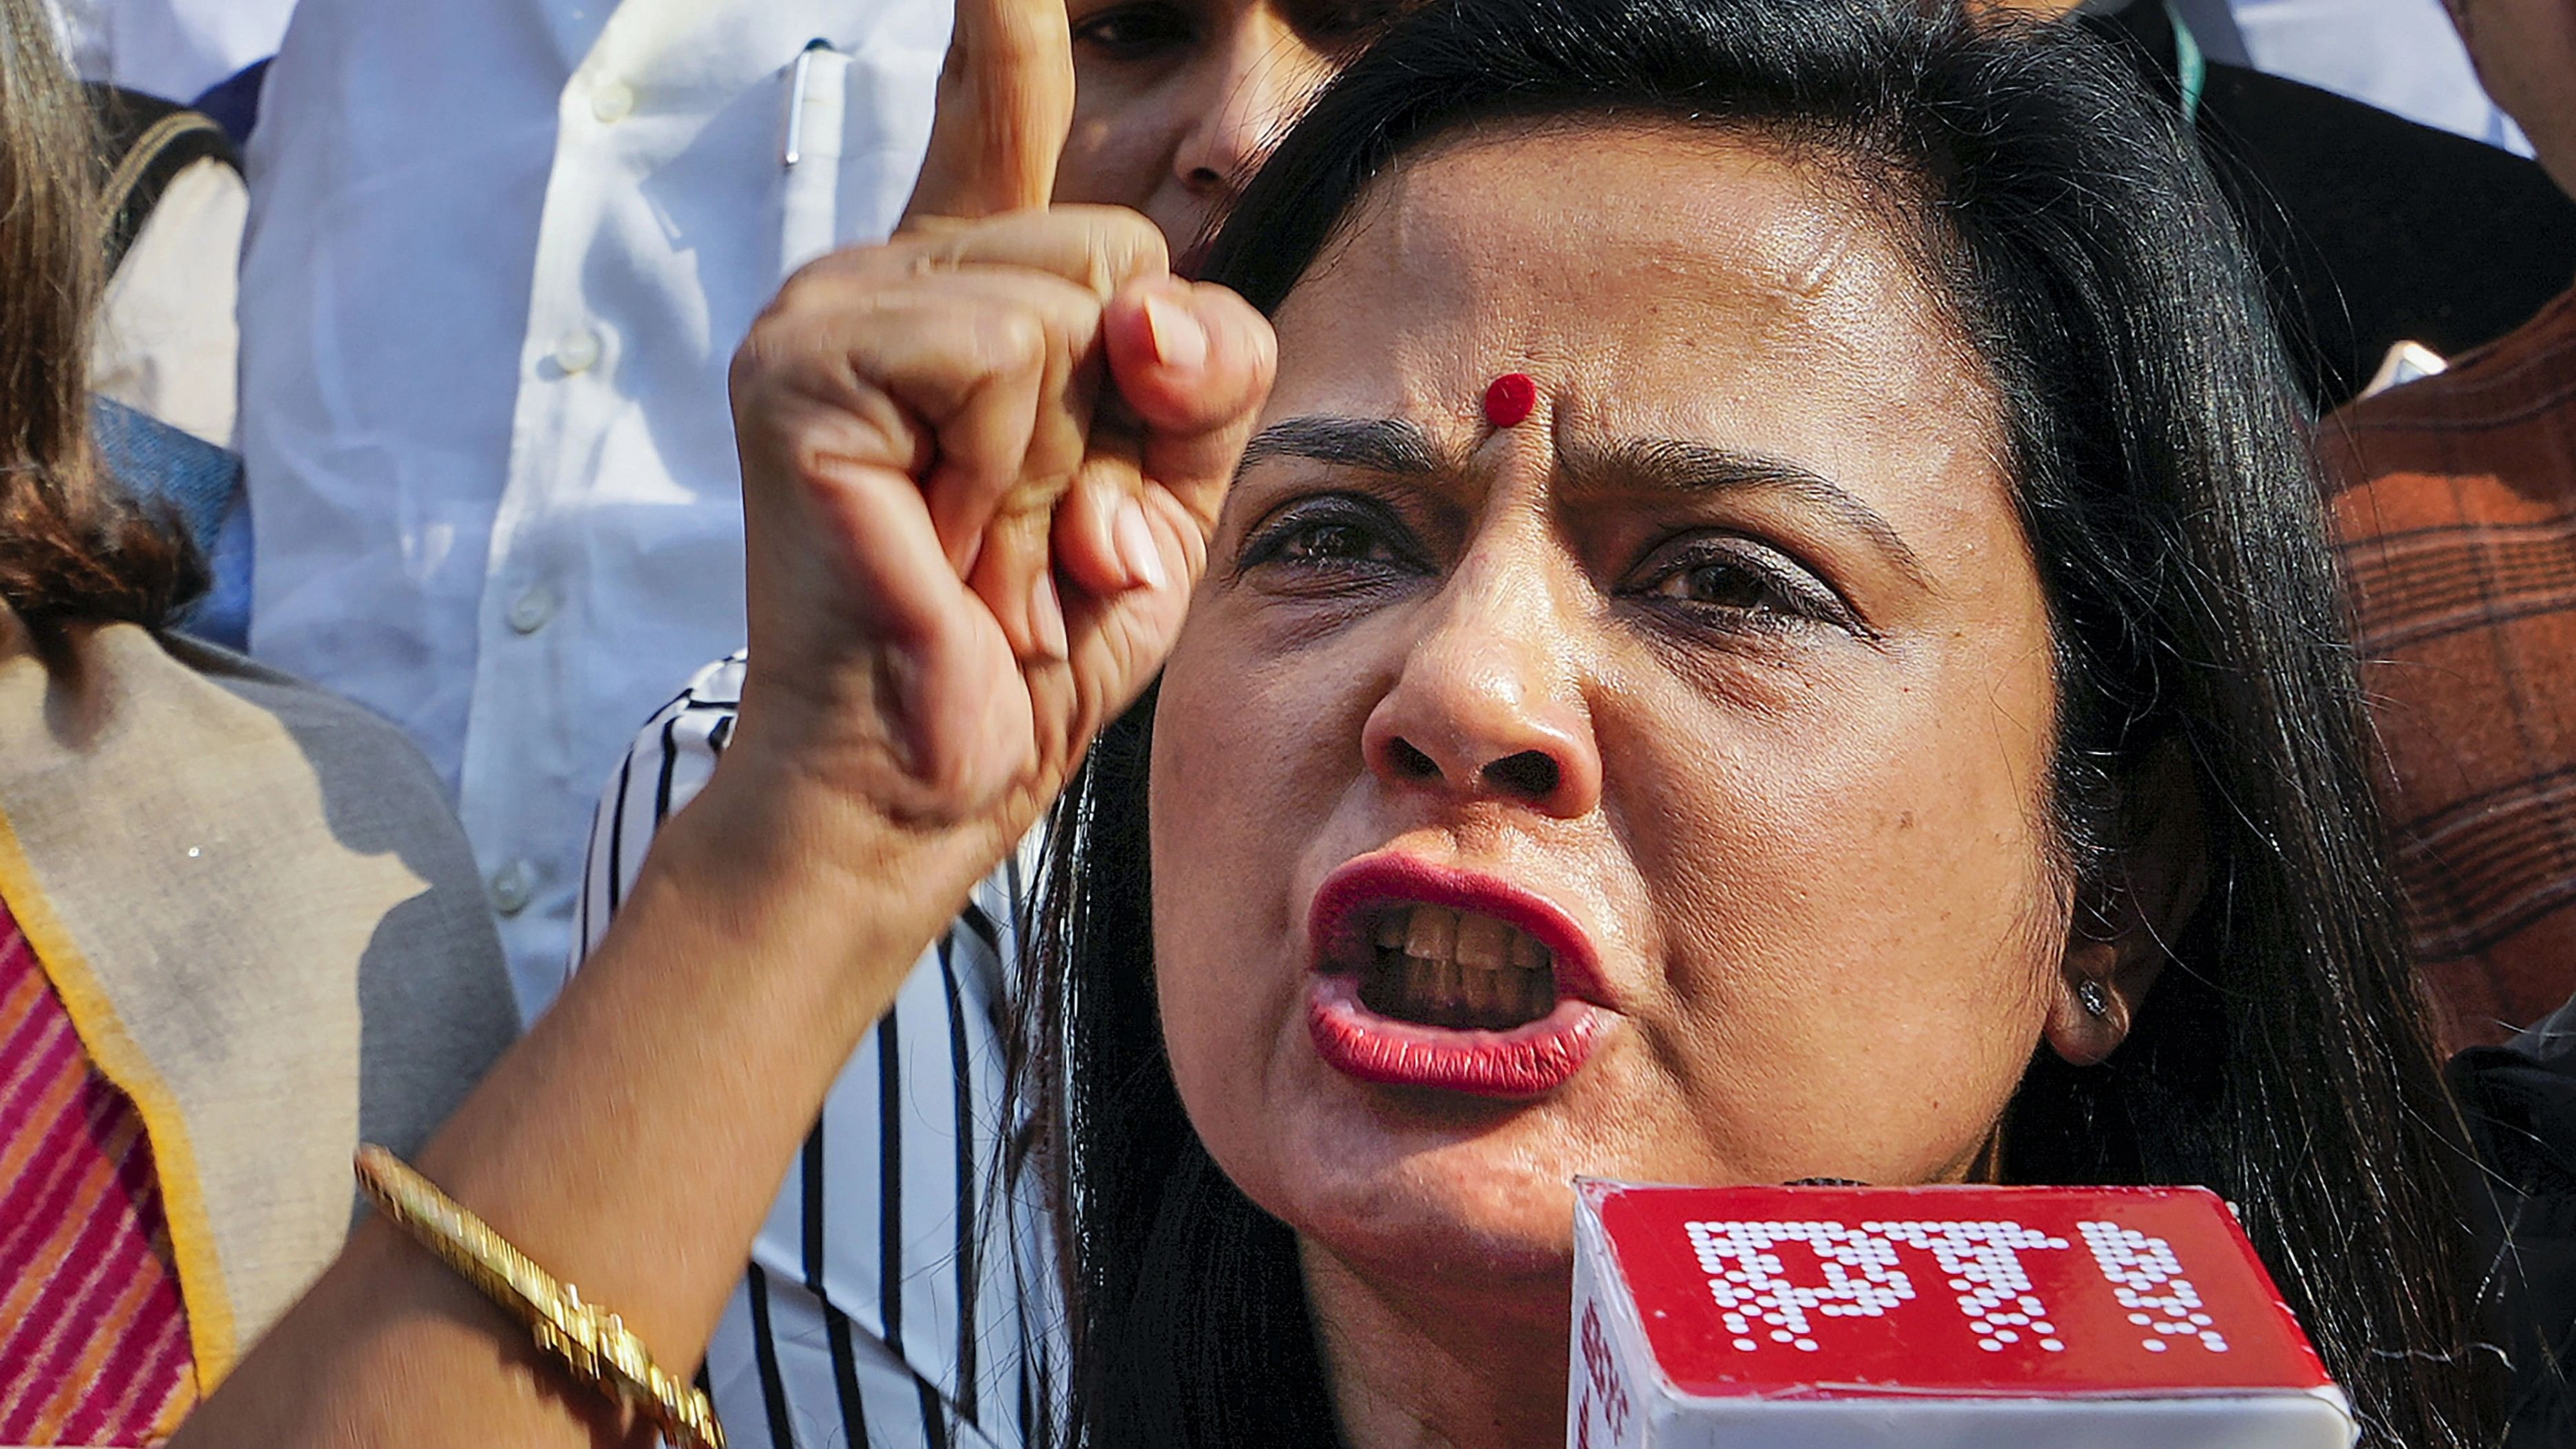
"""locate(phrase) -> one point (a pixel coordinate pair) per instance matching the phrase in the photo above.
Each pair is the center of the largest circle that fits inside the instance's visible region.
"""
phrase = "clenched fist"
(980, 466)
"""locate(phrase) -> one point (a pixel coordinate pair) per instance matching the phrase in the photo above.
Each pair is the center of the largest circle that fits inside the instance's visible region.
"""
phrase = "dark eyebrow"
(1381, 445)
(1697, 467)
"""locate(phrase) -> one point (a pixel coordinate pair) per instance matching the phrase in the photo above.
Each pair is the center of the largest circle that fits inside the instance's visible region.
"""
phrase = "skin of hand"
(2525, 52)
(979, 464)
(965, 556)
(1752, 584)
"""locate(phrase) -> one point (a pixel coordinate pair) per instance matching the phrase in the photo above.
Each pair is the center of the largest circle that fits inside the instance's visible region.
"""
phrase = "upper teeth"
(1438, 934)
(1457, 969)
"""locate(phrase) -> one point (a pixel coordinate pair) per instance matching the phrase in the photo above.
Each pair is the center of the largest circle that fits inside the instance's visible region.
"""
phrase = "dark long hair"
(72, 546)
(2164, 484)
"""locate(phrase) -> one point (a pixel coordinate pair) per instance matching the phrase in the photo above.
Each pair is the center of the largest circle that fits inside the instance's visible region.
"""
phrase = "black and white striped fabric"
(899, 1294)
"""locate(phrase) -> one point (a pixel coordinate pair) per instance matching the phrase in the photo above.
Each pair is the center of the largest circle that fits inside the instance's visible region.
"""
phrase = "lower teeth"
(1444, 994)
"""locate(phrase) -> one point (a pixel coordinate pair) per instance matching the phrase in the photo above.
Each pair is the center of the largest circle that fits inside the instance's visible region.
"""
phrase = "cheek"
(1251, 756)
(1854, 909)
(2524, 50)
(1118, 149)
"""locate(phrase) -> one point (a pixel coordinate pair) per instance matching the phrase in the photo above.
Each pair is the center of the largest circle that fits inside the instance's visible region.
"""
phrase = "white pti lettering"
(2138, 1266)
(1981, 1261)
(1752, 1286)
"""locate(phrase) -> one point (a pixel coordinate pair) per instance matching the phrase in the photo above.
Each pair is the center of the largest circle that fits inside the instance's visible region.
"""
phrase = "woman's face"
(1653, 789)
(1174, 100)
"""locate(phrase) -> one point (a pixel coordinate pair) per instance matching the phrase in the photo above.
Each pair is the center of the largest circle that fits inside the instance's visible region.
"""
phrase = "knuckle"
(806, 282)
(823, 282)
(1012, 340)
(1146, 248)
(1121, 245)
(932, 226)
(819, 444)
(772, 346)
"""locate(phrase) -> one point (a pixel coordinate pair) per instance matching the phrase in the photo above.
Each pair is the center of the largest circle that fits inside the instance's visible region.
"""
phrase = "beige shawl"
(264, 921)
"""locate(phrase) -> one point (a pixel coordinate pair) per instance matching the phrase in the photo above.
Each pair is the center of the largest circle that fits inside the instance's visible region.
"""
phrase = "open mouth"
(1435, 966)
(1430, 976)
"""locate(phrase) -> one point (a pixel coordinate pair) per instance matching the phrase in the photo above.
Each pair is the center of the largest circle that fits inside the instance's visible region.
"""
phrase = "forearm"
(631, 1144)
(924, 667)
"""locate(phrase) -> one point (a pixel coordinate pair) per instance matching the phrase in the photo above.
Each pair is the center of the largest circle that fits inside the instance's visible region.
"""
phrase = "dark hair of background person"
(2281, 1059)
(72, 546)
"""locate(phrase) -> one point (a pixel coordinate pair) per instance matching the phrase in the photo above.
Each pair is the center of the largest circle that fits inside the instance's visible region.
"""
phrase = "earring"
(2095, 1000)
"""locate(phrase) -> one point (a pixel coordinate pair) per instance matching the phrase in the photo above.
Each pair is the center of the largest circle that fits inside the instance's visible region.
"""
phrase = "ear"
(2126, 919)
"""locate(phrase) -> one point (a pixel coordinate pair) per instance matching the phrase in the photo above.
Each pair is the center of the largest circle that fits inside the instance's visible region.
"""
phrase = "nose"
(1259, 77)
(1488, 708)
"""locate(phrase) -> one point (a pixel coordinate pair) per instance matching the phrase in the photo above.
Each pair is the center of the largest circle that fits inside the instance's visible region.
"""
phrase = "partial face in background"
(1176, 100)
(1653, 789)
(2526, 55)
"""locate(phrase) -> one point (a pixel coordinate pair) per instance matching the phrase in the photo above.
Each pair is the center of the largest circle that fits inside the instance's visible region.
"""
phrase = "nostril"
(1412, 763)
(1531, 774)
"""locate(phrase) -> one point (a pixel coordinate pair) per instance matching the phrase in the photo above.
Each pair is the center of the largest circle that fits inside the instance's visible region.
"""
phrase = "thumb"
(1194, 363)
(1005, 105)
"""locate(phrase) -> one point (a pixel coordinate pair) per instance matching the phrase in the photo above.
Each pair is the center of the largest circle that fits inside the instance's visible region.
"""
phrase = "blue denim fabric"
(153, 460)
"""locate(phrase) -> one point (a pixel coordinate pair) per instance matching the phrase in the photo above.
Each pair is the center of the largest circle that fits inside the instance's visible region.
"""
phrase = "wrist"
(766, 853)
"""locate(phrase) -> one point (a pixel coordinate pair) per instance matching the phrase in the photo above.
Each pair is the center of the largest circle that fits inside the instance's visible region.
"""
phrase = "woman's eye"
(1331, 543)
(1329, 534)
(1133, 32)
(1727, 585)
(1745, 582)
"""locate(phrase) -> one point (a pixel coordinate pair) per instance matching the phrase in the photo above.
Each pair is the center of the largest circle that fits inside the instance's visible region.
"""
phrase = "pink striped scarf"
(93, 1338)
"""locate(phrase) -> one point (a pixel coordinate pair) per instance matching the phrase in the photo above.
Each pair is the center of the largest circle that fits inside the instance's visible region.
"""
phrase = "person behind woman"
(237, 928)
(1775, 624)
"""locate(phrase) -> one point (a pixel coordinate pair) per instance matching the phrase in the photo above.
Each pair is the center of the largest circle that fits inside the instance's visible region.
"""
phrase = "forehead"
(1657, 280)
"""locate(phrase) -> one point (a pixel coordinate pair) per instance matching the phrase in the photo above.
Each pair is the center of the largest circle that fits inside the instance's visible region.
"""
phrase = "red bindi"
(1510, 401)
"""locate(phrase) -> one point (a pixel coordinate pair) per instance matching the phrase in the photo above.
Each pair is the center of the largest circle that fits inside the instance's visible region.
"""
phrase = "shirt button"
(577, 351)
(612, 102)
(530, 611)
(512, 885)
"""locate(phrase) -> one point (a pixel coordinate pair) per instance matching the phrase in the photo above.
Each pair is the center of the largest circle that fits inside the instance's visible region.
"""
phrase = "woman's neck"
(1438, 1360)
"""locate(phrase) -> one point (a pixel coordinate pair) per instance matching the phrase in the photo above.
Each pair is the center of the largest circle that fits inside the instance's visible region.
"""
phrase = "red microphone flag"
(1933, 1318)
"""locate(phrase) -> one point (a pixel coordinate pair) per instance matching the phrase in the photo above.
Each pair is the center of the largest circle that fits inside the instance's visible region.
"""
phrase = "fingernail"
(1136, 547)
(1179, 340)
(1046, 618)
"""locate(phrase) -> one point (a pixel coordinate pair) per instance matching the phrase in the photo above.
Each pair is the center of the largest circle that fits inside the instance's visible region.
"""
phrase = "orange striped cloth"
(93, 1339)
(2456, 512)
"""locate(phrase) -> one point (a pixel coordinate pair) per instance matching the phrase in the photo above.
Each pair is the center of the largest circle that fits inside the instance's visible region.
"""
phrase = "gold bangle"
(592, 1340)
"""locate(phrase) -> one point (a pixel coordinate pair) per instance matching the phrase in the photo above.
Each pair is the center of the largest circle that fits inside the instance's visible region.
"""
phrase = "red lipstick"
(1526, 1061)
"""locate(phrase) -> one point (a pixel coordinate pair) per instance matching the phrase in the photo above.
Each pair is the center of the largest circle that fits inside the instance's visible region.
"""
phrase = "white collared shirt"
(500, 254)
(173, 49)
(2402, 56)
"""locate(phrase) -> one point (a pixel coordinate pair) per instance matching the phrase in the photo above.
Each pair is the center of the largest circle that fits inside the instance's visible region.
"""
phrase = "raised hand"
(1005, 104)
(980, 466)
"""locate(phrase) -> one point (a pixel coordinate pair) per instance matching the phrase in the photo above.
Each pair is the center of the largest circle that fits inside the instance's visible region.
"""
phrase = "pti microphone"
(1933, 1318)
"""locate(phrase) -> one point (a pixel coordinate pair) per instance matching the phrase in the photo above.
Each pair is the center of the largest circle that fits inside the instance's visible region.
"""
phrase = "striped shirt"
(897, 1294)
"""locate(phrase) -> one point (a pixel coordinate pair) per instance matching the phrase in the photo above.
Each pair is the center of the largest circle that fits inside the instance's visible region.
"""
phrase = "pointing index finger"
(1005, 106)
